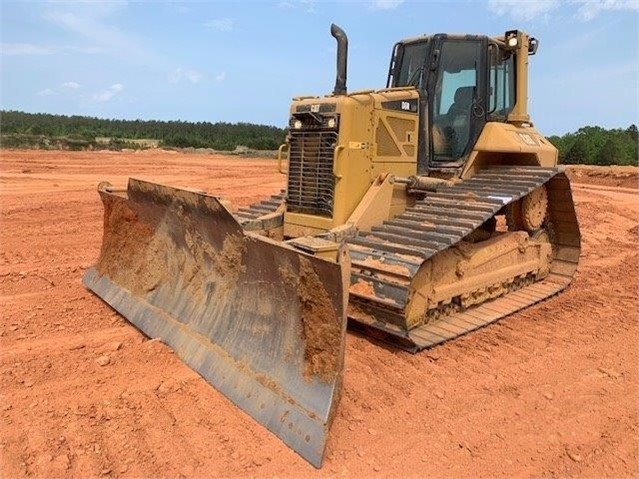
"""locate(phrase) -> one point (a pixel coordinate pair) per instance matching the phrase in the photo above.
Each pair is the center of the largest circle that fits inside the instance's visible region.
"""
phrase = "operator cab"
(464, 81)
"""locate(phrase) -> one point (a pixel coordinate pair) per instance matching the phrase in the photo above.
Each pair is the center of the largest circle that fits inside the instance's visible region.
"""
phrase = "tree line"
(593, 145)
(180, 134)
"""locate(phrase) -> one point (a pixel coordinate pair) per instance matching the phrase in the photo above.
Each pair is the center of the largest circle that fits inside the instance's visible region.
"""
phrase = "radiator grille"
(311, 184)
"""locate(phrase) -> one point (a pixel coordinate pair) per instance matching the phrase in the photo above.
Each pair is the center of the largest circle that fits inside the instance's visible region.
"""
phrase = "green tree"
(578, 152)
(610, 154)
(221, 136)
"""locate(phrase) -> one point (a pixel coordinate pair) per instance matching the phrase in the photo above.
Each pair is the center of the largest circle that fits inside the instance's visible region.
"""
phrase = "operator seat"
(458, 118)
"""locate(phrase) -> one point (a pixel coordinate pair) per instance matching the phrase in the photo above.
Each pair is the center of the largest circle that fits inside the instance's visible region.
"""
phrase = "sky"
(243, 61)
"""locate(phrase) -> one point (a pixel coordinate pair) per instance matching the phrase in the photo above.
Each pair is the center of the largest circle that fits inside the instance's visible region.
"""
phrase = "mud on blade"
(260, 321)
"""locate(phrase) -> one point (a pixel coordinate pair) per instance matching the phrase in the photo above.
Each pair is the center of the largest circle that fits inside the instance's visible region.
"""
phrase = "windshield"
(412, 64)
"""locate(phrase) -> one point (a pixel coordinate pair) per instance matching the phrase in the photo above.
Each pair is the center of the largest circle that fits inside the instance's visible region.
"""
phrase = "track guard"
(260, 321)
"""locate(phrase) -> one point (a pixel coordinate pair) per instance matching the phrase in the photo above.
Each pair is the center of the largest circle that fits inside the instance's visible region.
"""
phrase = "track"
(387, 259)
(250, 214)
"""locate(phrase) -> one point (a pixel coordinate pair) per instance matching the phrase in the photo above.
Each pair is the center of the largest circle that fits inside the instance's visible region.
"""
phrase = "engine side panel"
(376, 132)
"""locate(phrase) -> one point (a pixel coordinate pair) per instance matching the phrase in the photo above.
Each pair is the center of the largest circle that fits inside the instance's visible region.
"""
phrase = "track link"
(254, 211)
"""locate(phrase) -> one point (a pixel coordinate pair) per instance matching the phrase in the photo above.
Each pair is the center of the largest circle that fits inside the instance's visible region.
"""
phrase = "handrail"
(283, 146)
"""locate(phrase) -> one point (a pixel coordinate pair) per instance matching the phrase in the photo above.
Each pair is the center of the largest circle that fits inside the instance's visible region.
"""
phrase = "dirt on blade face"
(229, 260)
(124, 246)
(139, 254)
(321, 327)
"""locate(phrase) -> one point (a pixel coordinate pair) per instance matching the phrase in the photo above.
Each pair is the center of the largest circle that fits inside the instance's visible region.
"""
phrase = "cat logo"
(528, 139)
(315, 108)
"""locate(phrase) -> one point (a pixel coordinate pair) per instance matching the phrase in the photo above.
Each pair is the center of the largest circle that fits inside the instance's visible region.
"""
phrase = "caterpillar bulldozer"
(415, 213)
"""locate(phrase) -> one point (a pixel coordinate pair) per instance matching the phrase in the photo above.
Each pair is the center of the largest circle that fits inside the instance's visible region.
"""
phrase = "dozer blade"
(260, 321)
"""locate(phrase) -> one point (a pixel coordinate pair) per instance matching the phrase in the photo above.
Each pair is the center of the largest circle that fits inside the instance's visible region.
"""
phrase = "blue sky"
(243, 61)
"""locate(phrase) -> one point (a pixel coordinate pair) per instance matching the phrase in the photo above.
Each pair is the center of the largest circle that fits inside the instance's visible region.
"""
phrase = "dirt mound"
(550, 391)
(623, 176)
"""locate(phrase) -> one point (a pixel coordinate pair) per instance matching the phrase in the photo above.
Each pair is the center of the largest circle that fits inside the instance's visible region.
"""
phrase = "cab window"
(412, 67)
(455, 95)
(502, 84)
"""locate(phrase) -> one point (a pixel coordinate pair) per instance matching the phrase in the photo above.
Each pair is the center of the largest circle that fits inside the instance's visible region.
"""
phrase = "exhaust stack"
(342, 54)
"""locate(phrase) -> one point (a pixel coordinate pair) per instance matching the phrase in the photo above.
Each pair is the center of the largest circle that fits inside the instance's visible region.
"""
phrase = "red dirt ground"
(551, 391)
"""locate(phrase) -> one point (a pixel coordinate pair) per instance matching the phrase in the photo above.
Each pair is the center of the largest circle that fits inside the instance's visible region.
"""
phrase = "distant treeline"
(593, 145)
(16, 126)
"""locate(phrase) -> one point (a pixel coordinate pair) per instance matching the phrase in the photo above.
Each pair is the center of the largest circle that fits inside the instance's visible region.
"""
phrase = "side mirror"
(533, 44)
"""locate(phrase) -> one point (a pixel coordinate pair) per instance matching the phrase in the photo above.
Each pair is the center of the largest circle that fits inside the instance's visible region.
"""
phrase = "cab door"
(457, 92)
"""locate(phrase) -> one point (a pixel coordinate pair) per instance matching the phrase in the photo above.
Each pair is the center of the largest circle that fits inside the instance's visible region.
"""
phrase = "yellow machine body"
(376, 141)
(385, 142)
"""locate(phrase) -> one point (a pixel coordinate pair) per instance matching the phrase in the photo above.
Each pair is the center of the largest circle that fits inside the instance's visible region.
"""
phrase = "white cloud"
(220, 77)
(64, 87)
(25, 49)
(94, 22)
(106, 95)
(46, 92)
(589, 9)
(522, 10)
(90, 50)
(71, 85)
(193, 76)
(31, 49)
(386, 4)
(221, 24)
(528, 10)
(307, 5)
(179, 74)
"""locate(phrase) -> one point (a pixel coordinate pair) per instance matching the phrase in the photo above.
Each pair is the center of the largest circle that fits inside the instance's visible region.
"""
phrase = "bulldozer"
(414, 213)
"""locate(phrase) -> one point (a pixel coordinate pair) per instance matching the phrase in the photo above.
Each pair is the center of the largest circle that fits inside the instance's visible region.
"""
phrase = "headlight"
(331, 123)
(512, 42)
(297, 125)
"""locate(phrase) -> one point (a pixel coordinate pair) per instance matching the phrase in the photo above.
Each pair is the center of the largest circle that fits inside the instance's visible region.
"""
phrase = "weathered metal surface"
(442, 219)
(260, 321)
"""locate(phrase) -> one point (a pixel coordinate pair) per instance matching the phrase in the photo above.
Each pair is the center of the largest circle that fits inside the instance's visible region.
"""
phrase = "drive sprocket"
(528, 213)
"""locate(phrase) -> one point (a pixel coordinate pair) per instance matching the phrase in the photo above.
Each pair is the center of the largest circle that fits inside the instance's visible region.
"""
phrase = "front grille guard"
(311, 183)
